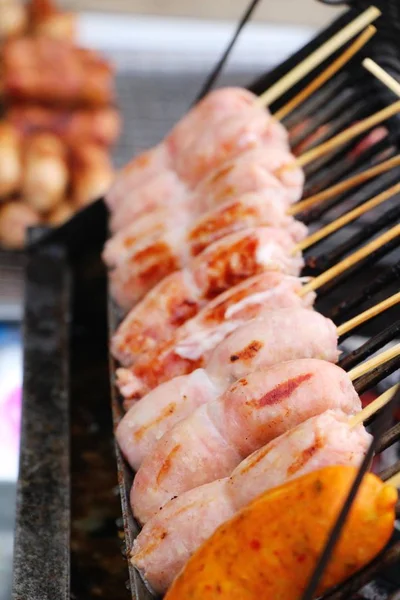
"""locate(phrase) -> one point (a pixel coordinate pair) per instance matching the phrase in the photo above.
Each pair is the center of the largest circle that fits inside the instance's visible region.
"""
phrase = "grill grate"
(343, 99)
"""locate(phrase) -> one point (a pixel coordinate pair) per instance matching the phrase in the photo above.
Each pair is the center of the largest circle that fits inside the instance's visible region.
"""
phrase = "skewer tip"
(383, 76)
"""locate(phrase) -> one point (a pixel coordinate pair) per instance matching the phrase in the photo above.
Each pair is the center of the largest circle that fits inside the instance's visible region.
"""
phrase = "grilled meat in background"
(59, 120)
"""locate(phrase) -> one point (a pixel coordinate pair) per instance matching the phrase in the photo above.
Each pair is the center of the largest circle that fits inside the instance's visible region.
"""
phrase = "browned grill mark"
(222, 172)
(167, 412)
(162, 363)
(225, 192)
(281, 391)
(217, 314)
(182, 510)
(158, 535)
(157, 249)
(182, 311)
(130, 240)
(219, 224)
(167, 463)
(259, 456)
(231, 264)
(238, 384)
(159, 262)
(248, 352)
(305, 456)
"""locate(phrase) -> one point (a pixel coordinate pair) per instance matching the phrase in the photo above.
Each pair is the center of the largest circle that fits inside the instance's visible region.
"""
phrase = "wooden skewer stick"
(345, 136)
(394, 481)
(327, 73)
(345, 185)
(368, 314)
(347, 218)
(374, 362)
(382, 75)
(318, 56)
(373, 407)
(351, 260)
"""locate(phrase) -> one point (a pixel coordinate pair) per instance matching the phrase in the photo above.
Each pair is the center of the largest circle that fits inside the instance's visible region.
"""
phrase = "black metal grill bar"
(357, 110)
(370, 347)
(347, 308)
(317, 100)
(390, 471)
(370, 260)
(333, 116)
(388, 557)
(342, 155)
(371, 379)
(335, 119)
(389, 438)
(328, 259)
(343, 167)
(360, 193)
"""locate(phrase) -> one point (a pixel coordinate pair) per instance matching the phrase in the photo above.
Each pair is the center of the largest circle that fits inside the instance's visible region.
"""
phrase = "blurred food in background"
(58, 119)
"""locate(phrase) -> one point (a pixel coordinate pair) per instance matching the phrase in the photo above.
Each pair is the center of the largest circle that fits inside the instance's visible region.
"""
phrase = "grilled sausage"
(253, 411)
(168, 540)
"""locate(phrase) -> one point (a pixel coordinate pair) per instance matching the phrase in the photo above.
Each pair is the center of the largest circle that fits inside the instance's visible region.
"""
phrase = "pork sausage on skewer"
(262, 342)
(221, 316)
(220, 266)
(253, 411)
(216, 106)
(167, 541)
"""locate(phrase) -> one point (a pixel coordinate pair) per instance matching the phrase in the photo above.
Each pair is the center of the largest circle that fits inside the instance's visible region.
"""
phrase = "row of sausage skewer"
(229, 374)
(192, 300)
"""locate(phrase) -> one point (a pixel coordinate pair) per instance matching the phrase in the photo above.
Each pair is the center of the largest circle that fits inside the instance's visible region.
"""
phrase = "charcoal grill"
(76, 549)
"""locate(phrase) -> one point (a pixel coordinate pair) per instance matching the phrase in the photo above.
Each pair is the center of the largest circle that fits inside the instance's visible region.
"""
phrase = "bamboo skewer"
(373, 407)
(347, 218)
(318, 56)
(327, 73)
(351, 260)
(374, 362)
(382, 75)
(368, 314)
(345, 185)
(344, 136)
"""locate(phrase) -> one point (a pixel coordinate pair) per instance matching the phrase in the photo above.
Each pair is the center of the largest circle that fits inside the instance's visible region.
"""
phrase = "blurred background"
(305, 12)
(161, 52)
